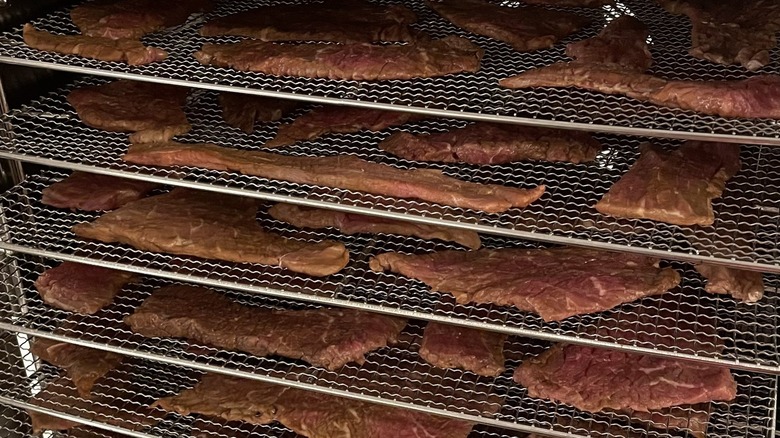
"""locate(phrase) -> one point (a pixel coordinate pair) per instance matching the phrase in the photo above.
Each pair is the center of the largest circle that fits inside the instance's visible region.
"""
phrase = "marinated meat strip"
(350, 223)
(675, 187)
(214, 226)
(340, 171)
(84, 365)
(95, 192)
(575, 3)
(525, 29)
(357, 61)
(119, 19)
(553, 283)
(242, 110)
(334, 119)
(692, 418)
(348, 21)
(130, 51)
(449, 346)
(494, 143)
(80, 288)
(307, 413)
(152, 112)
(327, 337)
(622, 43)
(747, 286)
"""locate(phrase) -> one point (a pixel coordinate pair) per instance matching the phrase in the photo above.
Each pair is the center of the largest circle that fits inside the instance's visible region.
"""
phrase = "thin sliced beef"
(692, 418)
(747, 286)
(340, 171)
(340, 120)
(623, 43)
(243, 110)
(152, 112)
(327, 337)
(85, 366)
(307, 413)
(350, 223)
(357, 61)
(524, 28)
(214, 226)
(554, 283)
(130, 51)
(348, 21)
(575, 3)
(675, 187)
(118, 19)
(450, 346)
(95, 192)
(494, 143)
(80, 288)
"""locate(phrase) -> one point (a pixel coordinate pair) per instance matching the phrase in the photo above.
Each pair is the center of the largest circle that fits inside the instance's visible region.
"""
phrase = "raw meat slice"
(307, 413)
(357, 61)
(674, 187)
(80, 288)
(524, 28)
(747, 286)
(130, 51)
(327, 337)
(494, 143)
(340, 171)
(594, 379)
(350, 223)
(95, 192)
(152, 112)
(576, 3)
(334, 119)
(449, 346)
(85, 366)
(347, 21)
(119, 19)
(211, 225)
(243, 110)
(553, 283)
(623, 43)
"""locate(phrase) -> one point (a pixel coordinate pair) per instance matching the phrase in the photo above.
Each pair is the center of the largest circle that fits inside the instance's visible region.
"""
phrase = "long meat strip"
(243, 110)
(214, 226)
(84, 365)
(350, 223)
(450, 346)
(747, 286)
(358, 61)
(621, 43)
(327, 337)
(525, 29)
(494, 143)
(95, 192)
(117, 19)
(553, 283)
(674, 187)
(307, 413)
(340, 171)
(575, 3)
(81, 288)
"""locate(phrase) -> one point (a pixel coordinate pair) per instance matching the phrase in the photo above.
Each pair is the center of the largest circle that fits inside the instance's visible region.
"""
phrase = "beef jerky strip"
(327, 337)
(351, 223)
(307, 413)
(95, 192)
(132, 52)
(747, 286)
(243, 110)
(340, 171)
(494, 143)
(574, 3)
(214, 226)
(692, 418)
(622, 43)
(525, 29)
(553, 283)
(81, 288)
(450, 346)
(357, 61)
(132, 19)
(674, 187)
(347, 21)
(84, 365)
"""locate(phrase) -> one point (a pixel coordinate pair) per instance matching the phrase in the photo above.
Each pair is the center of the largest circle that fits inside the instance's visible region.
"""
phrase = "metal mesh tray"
(475, 96)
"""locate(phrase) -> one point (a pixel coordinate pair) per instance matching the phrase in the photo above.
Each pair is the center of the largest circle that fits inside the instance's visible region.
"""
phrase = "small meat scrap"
(339, 120)
(621, 43)
(747, 286)
(523, 28)
(554, 283)
(423, 58)
(81, 288)
(693, 419)
(351, 223)
(450, 346)
(95, 192)
(347, 21)
(84, 365)
(494, 143)
(152, 112)
(574, 3)
(132, 19)
(340, 171)
(675, 187)
(213, 226)
(243, 110)
(327, 337)
(307, 413)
